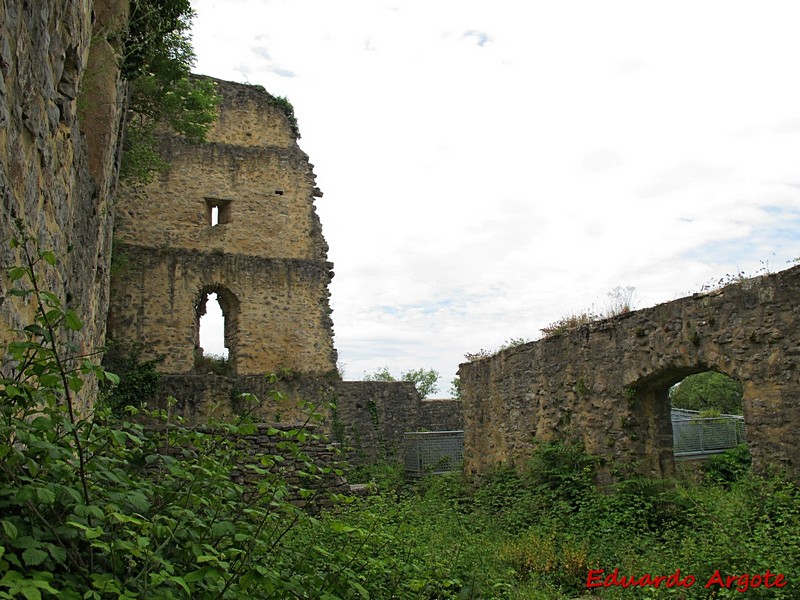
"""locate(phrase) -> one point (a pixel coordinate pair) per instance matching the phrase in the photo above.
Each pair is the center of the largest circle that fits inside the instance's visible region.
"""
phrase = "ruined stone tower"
(235, 217)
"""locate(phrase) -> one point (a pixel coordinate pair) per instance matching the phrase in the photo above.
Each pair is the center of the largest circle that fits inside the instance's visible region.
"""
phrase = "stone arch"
(229, 304)
(652, 403)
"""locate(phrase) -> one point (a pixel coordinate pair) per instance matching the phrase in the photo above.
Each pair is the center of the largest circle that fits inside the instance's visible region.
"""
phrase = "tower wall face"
(265, 256)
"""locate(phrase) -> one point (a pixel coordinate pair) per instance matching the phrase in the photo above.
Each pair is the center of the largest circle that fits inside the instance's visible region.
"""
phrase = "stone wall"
(442, 414)
(369, 420)
(295, 447)
(606, 384)
(372, 417)
(61, 102)
(266, 258)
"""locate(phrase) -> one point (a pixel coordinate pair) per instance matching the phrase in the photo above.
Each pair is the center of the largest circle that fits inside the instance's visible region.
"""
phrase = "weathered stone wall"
(56, 171)
(266, 258)
(606, 384)
(203, 396)
(369, 421)
(441, 414)
(372, 417)
(273, 440)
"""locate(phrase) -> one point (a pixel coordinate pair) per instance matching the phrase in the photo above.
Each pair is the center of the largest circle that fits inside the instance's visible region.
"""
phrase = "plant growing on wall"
(158, 58)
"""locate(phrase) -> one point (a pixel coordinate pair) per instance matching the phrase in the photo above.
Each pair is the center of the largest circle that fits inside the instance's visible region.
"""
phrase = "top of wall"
(250, 170)
(250, 116)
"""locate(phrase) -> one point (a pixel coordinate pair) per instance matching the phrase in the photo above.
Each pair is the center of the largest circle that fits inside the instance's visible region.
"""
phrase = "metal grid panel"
(433, 452)
(706, 435)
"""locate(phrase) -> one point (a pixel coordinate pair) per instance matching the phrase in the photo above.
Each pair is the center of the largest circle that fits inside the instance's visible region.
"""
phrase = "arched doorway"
(680, 414)
(707, 415)
(216, 330)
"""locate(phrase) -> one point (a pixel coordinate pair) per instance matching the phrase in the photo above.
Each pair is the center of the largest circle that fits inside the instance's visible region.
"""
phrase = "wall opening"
(212, 329)
(706, 414)
(680, 414)
(216, 330)
(218, 212)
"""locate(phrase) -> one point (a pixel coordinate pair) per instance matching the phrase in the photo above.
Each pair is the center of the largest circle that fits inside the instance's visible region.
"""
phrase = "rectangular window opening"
(218, 212)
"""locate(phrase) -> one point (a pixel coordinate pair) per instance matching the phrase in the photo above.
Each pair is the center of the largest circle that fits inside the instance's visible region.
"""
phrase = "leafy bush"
(92, 510)
(138, 380)
(158, 60)
(728, 467)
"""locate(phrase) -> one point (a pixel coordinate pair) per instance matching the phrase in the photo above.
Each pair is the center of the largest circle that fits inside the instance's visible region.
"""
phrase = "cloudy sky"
(491, 167)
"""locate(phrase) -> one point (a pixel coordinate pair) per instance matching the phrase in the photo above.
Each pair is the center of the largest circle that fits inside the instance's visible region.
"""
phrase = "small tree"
(425, 380)
(708, 391)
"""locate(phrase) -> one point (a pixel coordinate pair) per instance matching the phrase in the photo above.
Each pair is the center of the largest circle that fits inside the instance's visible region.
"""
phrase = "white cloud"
(490, 167)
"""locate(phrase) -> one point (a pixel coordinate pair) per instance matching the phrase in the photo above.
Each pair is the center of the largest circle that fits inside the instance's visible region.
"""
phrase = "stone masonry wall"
(606, 384)
(58, 153)
(372, 417)
(369, 421)
(266, 259)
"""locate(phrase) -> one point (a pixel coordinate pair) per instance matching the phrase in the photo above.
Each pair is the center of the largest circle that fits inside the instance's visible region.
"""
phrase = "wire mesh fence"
(695, 435)
(432, 452)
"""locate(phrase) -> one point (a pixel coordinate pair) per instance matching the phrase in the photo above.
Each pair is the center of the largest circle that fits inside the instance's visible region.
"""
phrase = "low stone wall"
(371, 417)
(271, 440)
(606, 384)
(200, 397)
(369, 420)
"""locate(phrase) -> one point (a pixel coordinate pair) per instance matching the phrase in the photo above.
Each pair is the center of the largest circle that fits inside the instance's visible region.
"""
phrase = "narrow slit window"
(218, 212)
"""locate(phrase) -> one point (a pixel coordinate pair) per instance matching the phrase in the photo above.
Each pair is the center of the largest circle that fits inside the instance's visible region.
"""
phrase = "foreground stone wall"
(266, 258)
(606, 384)
(61, 102)
(368, 422)
(295, 450)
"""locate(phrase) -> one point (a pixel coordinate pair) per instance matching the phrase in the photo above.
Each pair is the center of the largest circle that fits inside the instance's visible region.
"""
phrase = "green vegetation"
(708, 391)
(97, 508)
(138, 380)
(213, 363)
(158, 58)
(536, 534)
(425, 380)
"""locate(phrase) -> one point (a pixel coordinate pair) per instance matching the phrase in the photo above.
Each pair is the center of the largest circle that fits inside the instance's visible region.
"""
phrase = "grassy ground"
(541, 534)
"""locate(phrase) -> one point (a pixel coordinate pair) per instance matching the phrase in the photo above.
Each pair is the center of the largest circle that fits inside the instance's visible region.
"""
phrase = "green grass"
(537, 535)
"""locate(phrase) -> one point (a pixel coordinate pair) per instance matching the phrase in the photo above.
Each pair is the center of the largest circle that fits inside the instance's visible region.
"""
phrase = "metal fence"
(696, 436)
(432, 452)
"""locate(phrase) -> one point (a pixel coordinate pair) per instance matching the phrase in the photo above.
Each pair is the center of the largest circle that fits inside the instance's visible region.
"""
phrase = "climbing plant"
(158, 57)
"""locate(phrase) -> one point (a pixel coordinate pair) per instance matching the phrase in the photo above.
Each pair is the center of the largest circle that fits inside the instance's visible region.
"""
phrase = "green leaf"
(221, 528)
(48, 257)
(16, 273)
(180, 581)
(45, 495)
(31, 593)
(51, 300)
(75, 383)
(34, 556)
(72, 321)
(9, 529)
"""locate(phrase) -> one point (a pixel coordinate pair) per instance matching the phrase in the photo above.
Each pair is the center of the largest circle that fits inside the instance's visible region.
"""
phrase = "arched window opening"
(212, 329)
(706, 415)
(216, 330)
(686, 414)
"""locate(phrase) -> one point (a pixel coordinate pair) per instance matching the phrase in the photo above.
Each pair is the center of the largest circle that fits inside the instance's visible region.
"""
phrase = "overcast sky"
(490, 167)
